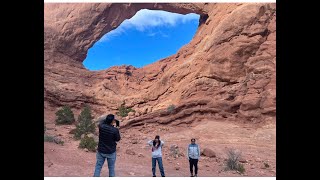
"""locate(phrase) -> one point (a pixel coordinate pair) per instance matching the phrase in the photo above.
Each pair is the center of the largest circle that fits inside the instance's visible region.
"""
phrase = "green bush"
(233, 161)
(89, 143)
(85, 124)
(123, 110)
(65, 116)
(48, 138)
(241, 168)
(58, 141)
(171, 108)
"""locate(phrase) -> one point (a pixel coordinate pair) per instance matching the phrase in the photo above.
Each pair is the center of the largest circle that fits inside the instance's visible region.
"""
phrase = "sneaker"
(191, 175)
(195, 175)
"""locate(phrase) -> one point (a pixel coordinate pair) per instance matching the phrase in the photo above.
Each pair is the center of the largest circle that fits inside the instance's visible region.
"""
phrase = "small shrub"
(233, 161)
(174, 151)
(171, 108)
(241, 168)
(85, 124)
(58, 141)
(89, 143)
(123, 110)
(48, 138)
(65, 116)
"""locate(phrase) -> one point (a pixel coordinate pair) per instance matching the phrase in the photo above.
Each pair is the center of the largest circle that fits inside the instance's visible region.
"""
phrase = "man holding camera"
(108, 136)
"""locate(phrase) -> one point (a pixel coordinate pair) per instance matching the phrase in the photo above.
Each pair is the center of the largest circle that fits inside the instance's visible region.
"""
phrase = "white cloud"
(152, 34)
(147, 19)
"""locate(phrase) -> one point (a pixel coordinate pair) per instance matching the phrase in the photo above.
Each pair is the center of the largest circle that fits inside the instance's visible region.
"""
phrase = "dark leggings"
(193, 162)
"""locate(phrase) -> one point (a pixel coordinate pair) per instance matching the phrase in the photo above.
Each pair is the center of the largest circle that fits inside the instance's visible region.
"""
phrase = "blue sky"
(147, 37)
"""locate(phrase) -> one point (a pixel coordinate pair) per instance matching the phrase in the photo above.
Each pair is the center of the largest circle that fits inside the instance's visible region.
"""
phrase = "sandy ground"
(257, 146)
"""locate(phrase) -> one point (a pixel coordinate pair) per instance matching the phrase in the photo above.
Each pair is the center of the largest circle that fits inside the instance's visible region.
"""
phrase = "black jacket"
(108, 135)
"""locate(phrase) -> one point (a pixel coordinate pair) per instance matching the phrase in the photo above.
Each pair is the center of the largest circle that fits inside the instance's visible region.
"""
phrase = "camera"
(117, 123)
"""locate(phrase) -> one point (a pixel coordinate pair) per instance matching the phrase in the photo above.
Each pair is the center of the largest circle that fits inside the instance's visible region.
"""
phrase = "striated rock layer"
(228, 70)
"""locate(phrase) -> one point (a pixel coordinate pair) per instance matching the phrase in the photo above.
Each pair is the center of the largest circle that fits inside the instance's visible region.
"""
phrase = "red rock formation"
(228, 70)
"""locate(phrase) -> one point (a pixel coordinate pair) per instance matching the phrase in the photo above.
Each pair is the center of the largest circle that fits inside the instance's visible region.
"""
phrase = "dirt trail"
(258, 146)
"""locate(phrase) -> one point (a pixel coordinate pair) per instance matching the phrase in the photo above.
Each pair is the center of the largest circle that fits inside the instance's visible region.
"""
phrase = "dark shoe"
(191, 175)
(196, 175)
(154, 176)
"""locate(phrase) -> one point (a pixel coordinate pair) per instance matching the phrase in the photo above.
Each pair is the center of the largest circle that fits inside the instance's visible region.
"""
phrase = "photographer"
(108, 136)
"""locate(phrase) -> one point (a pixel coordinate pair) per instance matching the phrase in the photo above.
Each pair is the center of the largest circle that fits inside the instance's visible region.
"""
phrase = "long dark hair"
(154, 142)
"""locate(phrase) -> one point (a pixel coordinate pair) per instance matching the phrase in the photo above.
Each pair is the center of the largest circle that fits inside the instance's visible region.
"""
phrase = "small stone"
(243, 161)
(140, 155)
(130, 152)
(134, 141)
(208, 152)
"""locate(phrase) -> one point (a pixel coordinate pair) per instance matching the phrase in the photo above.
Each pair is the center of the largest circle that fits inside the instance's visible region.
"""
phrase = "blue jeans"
(111, 158)
(159, 159)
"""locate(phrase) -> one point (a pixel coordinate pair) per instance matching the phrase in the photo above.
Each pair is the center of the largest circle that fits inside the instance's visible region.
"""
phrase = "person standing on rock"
(193, 152)
(156, 145)
(108, 136)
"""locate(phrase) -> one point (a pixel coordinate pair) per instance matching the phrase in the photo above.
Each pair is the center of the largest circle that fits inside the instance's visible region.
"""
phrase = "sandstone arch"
(226, 71)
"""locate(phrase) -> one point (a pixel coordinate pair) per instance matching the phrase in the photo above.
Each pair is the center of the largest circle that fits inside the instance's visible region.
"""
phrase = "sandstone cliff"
(228, 70)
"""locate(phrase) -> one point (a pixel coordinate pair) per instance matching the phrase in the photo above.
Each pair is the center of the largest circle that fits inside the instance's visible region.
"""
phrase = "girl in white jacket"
(156, 145)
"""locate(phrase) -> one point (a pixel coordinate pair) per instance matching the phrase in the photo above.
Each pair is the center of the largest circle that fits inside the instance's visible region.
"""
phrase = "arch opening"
(149, 36)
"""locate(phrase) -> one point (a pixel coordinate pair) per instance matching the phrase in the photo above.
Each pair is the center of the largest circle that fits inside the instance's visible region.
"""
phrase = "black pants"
(193, 162)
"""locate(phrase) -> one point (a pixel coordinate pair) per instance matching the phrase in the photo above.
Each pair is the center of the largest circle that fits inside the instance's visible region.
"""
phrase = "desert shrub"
(48, 138)
(123, 111)
(89, 143)
(241, 168)
(85, 124)
(64, 116)
(171, 108)
(233, 161)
